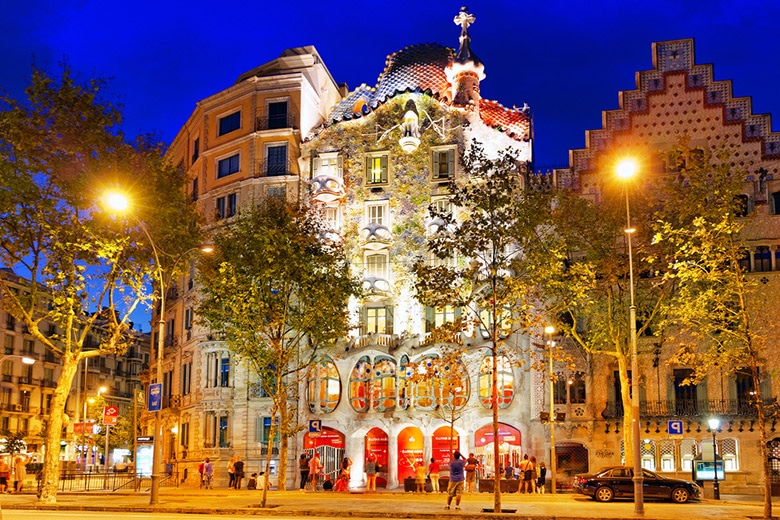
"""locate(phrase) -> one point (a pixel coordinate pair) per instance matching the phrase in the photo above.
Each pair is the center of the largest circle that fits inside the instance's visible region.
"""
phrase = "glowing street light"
(119, 203)
(626, 170)
(714, 424)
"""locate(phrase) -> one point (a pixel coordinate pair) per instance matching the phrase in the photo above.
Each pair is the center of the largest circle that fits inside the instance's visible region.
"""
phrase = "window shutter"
(363, 318)
(451, 163)
(389, 323)
(315, 166)
(259, 432)
(384, 168)
(701, 391)
(368, 169)
(430, 318)
(340, 167)
(436, 156)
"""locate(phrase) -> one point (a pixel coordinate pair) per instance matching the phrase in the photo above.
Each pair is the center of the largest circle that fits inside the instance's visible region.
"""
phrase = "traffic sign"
(110, 415)
(315, 428)
(675, 427)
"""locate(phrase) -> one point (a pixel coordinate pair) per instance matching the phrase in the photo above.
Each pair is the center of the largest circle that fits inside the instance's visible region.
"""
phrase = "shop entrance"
(410, 451)
(330, 446)
(509, 445)
(377, 442)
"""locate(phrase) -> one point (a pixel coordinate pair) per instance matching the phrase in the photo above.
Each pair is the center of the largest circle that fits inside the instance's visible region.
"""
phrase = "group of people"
(235, 469)
(311, 474)
(530, 474)
(19, 471)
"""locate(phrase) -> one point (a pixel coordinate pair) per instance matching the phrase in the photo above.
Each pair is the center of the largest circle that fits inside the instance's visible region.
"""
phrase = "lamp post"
(549, 330)
(626, 170)
(119, 203)
(714, 425)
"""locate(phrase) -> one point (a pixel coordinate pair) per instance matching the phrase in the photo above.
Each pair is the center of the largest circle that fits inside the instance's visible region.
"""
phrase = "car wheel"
(680, 495)
(604, 494)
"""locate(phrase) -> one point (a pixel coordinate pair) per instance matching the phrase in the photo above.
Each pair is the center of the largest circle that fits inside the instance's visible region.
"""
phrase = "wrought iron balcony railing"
(696, 408)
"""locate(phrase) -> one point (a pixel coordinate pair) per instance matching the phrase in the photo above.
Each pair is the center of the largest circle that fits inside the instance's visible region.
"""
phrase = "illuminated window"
(324, 386)
(577, 391)
(505, 381)
(435, 318)
(647, 449)
(404, 372)
(666, 449)
(230, 123)
(454, 381)
(376, 266)
(427, 382)
(376, 169)
(376, 214)
(328, 164)
(358, 384)
(688, 452)
(383, 384)
(376, 320)
(727, 450)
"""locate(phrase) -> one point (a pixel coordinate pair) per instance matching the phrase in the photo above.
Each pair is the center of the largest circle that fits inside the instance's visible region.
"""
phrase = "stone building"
(681, 98)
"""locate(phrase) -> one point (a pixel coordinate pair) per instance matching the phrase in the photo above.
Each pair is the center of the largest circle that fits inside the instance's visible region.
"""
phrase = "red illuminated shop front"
(377, 443)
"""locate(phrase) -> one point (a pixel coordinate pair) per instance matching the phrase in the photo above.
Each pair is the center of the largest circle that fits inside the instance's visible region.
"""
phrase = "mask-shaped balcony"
(327, 188)
(376, 288)
(376, 237)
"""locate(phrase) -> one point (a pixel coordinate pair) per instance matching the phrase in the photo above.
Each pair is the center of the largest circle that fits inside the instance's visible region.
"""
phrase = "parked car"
(617, 482)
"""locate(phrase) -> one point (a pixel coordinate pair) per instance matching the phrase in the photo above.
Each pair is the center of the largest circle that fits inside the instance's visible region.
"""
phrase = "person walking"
(472, 465)
(303, 467)
(457, 480)
(541, 474)
(524, 468)
(20, 472)
(231, 473)
(208, 474)
(530, 475)
(5, 475)
(371, 471)
(238, 473)
(315, 466)
(433, 473)
(200, 473)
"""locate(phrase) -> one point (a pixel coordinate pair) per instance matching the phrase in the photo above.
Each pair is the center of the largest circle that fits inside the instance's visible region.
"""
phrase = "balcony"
(327, 188)
(48, 383)
(268, 168)
(692, 408)
(275, 122)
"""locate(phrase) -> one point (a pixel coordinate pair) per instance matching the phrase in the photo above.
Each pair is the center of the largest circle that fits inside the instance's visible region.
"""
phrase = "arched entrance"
(410, 451)
(443, 443)
(330, 445)
(509, 445)
(572, 459)
(377, 443)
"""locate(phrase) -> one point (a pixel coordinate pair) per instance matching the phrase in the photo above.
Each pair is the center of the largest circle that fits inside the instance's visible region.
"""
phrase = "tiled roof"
(515, 122)
(421, 68)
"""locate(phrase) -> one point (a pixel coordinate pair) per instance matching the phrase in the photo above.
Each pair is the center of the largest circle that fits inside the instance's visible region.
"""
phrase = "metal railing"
(699, 408)
(266, 168)
(72, 481)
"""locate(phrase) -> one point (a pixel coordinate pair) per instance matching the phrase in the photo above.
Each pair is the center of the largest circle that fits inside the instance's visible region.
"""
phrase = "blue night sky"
(566, 59)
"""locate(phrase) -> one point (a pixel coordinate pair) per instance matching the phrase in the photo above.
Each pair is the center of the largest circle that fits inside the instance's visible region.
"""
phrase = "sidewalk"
(386, 505)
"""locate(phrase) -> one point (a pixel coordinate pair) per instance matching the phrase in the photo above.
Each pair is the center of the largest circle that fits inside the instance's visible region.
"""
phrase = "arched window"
(505, 383)
(577, 391)
(647, 448)
(426, 382)
(688, 451)
(455, 389)
(729, 453)
(358, 384)
(404, 372)
(383, 384)
(324, 386)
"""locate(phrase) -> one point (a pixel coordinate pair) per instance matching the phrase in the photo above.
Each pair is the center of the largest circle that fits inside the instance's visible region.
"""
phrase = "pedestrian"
(200, 472)
(457, 480)
(231, 474)
(530, 475)
(472, 465)
(509, 471)
(303, 466)
(208, 474)
(238, 472)
(20, 472)
(524, 465)
(419, 476)
(5, 475)
(541, 474)
(433, 473)
(371, 471)
(315, 466)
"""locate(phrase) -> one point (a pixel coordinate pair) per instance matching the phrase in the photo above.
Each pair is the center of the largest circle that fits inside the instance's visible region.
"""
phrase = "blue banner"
(155, 397)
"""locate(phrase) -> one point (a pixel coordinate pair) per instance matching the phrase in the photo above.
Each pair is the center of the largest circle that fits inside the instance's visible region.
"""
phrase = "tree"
(78, 270)
(719, 311)
(493, 258)
(279, 291)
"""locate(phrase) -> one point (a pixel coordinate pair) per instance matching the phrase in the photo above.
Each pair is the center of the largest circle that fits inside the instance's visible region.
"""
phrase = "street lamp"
(626, 170)
(714, 425)
(120, 204)
(549, 330)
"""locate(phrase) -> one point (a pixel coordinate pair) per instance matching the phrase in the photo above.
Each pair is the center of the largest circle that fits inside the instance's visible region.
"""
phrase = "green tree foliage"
(279, 292)
(496, 253)
(60, 149)
(719, 313)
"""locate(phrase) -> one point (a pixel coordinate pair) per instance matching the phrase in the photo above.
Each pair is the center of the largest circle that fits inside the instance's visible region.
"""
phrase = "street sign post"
(315, 428)
(675, 427)
(110, 415)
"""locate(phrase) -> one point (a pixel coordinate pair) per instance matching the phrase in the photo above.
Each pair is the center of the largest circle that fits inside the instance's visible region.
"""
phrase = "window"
(762, 259)
(358, 385)
(332, 218)
(577, 392)
(427, 384)
(647, 453)
(224, 372)
(188, 313)
(776, 203)
(666, 450)
(195, 149)
(277, 115)
(8, 343)
(685, 394)
(263, 430)
(729, 453)
(404, 372)
(230, 123)
(378, 320)
(329, 164)
(223, 432)
(28, 347)
(10, 322)
(376, 214)
(745, 393)
(376, 266)
(276, 160)
(228, 166)
(226, 206)
(324, 386)
(443, 164)
(376, 169)
(186, 378)
(195, 191)
(505, 382)
(277, 192)
(435, 318)
(383, 384)
(454, 385)
(742, 205)
(559, 389)
(184, 434)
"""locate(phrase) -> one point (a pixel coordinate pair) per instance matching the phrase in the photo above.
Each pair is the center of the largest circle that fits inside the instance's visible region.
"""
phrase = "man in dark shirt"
(457, 480)
(238, 472)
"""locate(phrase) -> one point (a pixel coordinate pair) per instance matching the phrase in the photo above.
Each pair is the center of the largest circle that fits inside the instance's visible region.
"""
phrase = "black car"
(617, 482)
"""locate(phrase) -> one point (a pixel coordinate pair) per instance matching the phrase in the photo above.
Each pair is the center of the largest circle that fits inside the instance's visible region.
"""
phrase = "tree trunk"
(269, 454)
(765, 470)
(496, 450)
(284, 438)
(51, 457)
(628, 410)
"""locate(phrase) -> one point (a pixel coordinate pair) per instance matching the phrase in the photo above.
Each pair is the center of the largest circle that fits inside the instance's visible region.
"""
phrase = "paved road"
(294, 504)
